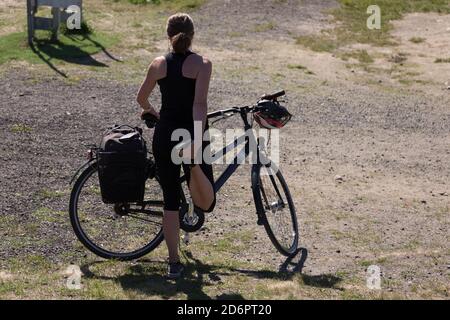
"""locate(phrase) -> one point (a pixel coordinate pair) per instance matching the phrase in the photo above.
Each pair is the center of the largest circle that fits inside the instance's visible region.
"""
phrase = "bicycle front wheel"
(123, 231)
(275, 207)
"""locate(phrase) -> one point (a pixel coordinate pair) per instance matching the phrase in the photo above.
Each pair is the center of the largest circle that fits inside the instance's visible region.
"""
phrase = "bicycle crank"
(191, 218)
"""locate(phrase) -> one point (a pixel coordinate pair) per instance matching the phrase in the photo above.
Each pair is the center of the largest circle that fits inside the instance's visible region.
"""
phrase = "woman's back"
(177, 90)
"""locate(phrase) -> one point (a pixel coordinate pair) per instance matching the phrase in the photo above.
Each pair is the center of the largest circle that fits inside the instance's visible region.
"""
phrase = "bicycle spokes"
(117, 229)
(276, 209)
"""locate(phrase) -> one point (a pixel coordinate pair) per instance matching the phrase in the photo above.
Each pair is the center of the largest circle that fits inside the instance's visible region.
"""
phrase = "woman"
(183, 78)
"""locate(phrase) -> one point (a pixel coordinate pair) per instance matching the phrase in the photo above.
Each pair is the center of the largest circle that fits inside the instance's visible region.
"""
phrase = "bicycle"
(132, 230)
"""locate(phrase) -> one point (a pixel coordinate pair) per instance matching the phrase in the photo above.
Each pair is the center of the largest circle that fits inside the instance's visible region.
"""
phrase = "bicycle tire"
(86, 241)
(258, 199)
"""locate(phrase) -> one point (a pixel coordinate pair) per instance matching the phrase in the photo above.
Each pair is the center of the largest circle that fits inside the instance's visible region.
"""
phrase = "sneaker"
(175, 270)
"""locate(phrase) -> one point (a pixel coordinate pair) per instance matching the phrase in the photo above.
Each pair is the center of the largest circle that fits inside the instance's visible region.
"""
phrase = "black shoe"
(175, 270)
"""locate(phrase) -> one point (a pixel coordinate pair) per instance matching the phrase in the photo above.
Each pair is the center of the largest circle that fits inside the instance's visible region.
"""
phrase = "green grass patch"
(352, 18)
(361, 55)
(296, 66)
(69, 48)
(442, 60)
(20, 128)
(318, 43)
(29, 262)
(300, 67)
(368, 263)
(262, 27)
(51, 194)
(417, 40)
(174, 5)
(48, 215)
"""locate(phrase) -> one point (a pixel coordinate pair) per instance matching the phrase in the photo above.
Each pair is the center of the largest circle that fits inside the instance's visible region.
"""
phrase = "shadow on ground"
(68, 53)
(147, 277)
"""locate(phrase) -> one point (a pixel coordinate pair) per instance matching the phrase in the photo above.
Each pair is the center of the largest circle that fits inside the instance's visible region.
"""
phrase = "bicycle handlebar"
(274, 95)
(224, 112)
(151, 120)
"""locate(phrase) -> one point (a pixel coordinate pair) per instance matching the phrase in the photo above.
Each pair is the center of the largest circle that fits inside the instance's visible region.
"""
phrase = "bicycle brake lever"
(223, 117)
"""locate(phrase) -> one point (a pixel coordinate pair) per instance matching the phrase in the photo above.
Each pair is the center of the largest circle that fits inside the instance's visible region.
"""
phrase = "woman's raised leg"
(201, 188)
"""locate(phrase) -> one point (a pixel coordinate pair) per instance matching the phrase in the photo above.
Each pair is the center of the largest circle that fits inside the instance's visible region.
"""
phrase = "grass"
(352, 18)
(214, 272)
(210, 274)
(318, 43)
(20, 128)
(145, 280)
(14, 46)
(262, 27)
(442, 60)
(367, 263)
(47, 215)
(417, 40)
(361, 55)
(110, 28)
(174, 5)
(51, 194)
(300, 67)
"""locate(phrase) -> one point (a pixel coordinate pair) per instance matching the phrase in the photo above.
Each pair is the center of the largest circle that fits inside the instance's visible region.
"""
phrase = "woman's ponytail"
(180, 30)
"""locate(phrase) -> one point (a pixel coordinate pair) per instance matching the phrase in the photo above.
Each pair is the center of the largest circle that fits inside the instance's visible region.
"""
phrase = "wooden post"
(31, 10)
(56, 13)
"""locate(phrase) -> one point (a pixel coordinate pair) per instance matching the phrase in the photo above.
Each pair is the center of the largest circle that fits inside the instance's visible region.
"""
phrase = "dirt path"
(391, 146)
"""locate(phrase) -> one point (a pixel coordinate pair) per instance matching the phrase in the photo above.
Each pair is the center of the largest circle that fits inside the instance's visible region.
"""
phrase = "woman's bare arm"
(153, 75)
(200, 107)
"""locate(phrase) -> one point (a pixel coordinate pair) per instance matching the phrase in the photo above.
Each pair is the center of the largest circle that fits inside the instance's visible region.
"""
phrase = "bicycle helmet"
(271, 115)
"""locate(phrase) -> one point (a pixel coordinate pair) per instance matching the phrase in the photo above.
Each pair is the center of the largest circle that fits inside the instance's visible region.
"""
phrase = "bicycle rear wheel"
(275, 207)
(125, 231)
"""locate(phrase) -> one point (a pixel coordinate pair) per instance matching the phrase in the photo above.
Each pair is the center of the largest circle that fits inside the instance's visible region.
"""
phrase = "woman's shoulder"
(200, 60)
(158, 67)
(159, 61)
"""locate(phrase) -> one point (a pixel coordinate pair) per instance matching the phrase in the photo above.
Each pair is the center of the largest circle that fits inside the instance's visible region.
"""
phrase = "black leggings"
(169, 173)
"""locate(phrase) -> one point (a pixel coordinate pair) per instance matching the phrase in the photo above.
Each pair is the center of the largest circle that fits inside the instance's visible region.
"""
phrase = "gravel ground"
(367, 166)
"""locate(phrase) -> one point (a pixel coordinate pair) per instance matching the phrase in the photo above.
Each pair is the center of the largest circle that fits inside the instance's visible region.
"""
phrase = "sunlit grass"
(352, 18)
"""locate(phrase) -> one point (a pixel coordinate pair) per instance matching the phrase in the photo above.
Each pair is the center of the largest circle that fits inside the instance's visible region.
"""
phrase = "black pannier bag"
(122, 160)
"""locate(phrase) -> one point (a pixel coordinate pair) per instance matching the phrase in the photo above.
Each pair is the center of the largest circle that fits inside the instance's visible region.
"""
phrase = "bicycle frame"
(248, 139)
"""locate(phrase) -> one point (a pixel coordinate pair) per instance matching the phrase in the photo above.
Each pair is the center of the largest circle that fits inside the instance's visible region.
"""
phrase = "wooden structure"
(59, 15)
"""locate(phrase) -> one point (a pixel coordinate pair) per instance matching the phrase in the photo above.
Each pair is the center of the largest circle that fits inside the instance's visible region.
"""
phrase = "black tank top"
(177, 92)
